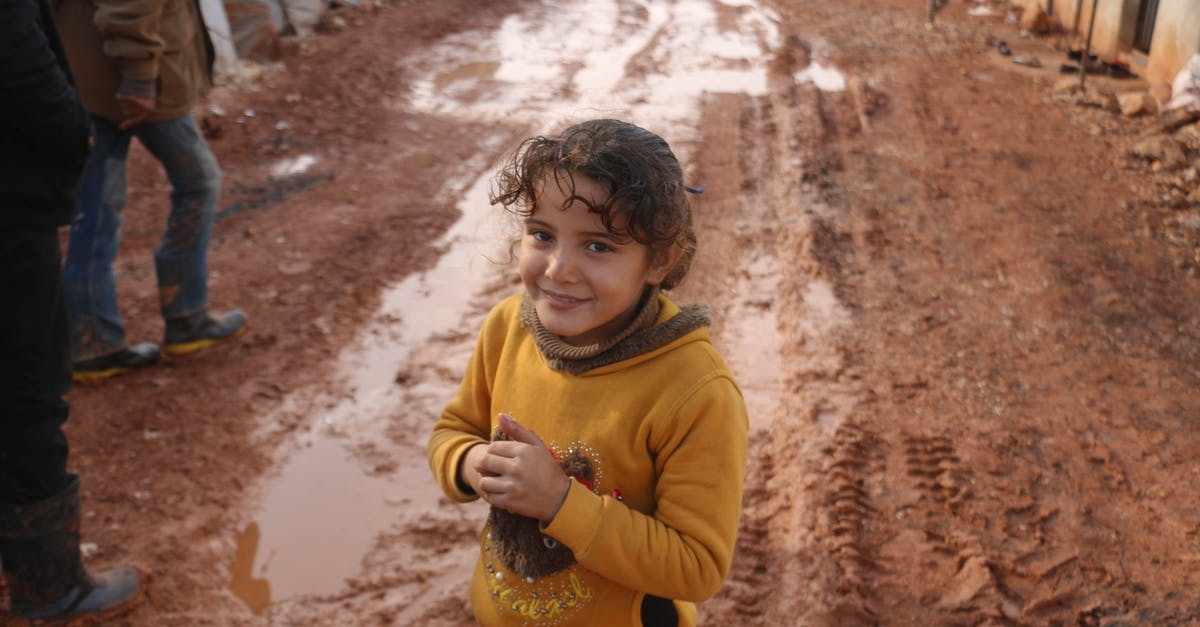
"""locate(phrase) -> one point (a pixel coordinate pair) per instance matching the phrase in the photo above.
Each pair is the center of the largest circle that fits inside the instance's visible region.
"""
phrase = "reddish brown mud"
(966, 323)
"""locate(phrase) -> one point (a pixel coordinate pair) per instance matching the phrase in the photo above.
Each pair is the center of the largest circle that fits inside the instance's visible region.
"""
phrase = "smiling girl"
(596, 417)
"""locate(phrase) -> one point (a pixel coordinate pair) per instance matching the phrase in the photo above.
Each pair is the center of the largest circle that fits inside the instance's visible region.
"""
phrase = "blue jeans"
(181, 260)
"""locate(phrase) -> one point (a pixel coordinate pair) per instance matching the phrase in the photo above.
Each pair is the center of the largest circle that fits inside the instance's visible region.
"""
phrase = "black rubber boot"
(188, 335)
(139, 355)
(39, 555)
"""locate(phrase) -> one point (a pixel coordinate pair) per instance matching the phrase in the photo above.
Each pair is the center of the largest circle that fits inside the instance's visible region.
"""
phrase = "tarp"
(254, 26)
(1185, 90)
(303, 15)
(222, 37)
(255, 33)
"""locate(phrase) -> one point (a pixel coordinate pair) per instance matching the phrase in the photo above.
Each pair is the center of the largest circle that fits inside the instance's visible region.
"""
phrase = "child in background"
(596, 417)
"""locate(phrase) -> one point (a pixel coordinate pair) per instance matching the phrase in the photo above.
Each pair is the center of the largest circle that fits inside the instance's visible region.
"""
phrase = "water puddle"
(753, 339)
(678, 51)
(242, 197)
(825, 78)
(293, 166)
(323, 502)
(321, 513)
(466, 73)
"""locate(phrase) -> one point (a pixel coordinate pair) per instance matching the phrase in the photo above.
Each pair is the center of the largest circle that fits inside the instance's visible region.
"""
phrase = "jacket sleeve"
(37, 100)
(685, 549)
(466, 419)
(36, 96)
(132, 35)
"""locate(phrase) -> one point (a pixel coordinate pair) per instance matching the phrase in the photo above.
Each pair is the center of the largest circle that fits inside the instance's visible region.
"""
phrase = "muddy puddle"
(356, 467)
(337, 486)
(321, 494)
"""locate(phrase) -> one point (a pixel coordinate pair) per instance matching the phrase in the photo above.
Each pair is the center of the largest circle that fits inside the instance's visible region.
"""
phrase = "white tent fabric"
(222, 38)
(1185, 91)
(300, 15)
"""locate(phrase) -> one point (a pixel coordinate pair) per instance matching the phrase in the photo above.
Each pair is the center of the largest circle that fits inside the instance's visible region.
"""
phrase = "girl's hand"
(520, 475)
(468, 473)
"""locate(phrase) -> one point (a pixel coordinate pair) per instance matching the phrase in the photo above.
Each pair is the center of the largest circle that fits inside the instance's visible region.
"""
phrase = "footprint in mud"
(936, 467)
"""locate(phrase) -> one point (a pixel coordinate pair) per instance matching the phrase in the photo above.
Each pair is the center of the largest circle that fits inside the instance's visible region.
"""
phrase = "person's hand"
(134, 110)
(521, 475)
(468, 467)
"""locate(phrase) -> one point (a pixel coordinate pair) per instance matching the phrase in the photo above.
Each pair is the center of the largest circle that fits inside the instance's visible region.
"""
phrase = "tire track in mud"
(997, 466)
(940, 555)
(932, 548)
(801, 558)
(901, 518)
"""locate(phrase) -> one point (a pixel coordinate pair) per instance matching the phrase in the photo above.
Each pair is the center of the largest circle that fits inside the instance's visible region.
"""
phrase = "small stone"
(1173, 158)
(1189, 138)
(1153, 148)
(1137, 103)
(1066, 86)
(89, 549)
(1161, 93)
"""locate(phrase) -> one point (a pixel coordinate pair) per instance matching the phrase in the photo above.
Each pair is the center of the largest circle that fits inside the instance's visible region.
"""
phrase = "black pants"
(35, 368)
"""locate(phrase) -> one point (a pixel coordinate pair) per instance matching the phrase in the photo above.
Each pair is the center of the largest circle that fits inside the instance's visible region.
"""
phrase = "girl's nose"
(560, 268)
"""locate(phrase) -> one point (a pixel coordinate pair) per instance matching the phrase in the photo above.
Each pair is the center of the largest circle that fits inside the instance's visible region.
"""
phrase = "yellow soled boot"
(188, 335)
(138, 355)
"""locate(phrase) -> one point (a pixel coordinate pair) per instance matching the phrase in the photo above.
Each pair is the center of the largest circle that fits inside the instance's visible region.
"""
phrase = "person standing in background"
(931, 9)
(44, 141)
(142, 66)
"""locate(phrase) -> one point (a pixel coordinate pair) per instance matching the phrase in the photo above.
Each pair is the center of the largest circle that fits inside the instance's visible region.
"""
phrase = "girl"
(595, 417)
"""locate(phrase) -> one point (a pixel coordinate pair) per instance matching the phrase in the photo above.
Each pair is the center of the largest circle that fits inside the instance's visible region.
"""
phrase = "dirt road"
(966, 324)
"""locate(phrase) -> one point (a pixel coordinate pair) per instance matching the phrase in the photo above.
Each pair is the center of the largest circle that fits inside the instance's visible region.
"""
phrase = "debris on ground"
(1185, 89)
(1138, 103)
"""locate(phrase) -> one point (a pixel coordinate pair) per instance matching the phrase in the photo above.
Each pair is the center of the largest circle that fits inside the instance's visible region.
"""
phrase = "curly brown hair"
(642, 176)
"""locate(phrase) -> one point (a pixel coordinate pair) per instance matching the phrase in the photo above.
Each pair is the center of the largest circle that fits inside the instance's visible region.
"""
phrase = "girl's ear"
(661, 263)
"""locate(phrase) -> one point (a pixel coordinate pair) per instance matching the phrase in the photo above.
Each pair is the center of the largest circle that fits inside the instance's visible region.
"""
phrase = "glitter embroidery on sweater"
(530, 573)
(544, 601)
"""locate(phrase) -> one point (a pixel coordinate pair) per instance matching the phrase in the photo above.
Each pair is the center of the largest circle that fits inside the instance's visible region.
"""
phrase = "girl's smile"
(561, 301)
(585, 283)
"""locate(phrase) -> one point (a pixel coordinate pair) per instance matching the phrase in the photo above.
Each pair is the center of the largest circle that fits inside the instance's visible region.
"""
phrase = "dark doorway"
(1144, 30)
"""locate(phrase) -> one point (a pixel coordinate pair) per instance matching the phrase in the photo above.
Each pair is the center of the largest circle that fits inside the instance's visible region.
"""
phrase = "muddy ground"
(966, 322)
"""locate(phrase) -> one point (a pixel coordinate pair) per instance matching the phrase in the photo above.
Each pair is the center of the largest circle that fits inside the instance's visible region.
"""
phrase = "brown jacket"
(154, 48)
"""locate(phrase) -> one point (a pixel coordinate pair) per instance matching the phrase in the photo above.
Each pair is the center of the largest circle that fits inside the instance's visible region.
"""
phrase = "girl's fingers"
(506, 448)
(492, 487)
(493, 465)
(518, 432)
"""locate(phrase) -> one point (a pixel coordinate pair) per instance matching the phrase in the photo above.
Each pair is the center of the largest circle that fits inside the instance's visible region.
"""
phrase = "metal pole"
(1087, 48)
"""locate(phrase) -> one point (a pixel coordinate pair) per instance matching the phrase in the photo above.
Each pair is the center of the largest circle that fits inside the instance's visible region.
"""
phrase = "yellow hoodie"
(665, 434)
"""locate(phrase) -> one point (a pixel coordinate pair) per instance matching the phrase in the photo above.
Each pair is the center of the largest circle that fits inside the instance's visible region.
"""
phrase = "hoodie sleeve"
(685, 549)
(466, 419)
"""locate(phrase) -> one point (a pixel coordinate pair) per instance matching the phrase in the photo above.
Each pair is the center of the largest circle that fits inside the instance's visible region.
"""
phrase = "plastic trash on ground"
(1185, 90)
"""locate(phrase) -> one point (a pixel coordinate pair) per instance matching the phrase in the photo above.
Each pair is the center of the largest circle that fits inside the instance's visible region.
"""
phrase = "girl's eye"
(598, 247)
(541, 236)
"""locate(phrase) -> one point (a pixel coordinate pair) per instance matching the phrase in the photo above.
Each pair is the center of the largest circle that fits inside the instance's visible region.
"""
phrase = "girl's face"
(585, 283)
